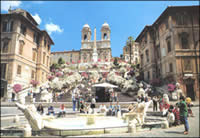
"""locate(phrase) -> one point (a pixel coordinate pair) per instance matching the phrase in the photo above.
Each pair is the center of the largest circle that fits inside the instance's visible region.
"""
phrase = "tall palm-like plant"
(129, 43)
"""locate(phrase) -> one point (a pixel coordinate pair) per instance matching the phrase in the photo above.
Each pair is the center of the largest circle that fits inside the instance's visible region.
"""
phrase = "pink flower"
(58, 74)
(17, 88)
(67, 63)
(106, 60)
(99, 60)
(34, 83)
(50, 78)
(79, 61)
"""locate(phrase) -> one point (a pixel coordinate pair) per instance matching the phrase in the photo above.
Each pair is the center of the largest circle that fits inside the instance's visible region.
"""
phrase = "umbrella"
(105, 85)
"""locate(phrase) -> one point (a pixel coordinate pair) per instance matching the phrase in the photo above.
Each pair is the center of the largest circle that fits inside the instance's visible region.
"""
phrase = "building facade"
(133, 53)
(85, 54)
(25, 49)
(68, 56)
(169, 49)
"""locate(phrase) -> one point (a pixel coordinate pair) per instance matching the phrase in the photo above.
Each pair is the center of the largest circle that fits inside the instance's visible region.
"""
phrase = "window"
(23, 29)
(170, 67)
(85, 37)
(105, 36)
(142, 60)
(187, 65)
(11, 26)
(5, 47)
(47, 61)
(145, 37)
(19, 70)
(3, 70)
(44, 55)
(169, 46)
(5, 24)
(21, 47)
(32, 74)
(182, 19)
(36, 38)
(184, 40)
(147, 55)
(49, 47)
(34, 55)
(42, 76)
(45, 42)
(148, 75)
(166, 23)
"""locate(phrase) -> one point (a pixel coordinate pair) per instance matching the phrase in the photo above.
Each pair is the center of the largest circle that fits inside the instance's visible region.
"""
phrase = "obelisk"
(95, 55)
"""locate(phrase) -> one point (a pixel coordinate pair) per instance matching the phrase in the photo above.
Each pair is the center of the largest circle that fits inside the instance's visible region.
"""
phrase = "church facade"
(101, 48)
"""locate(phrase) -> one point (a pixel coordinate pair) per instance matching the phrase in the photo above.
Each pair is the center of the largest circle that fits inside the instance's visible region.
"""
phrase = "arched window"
(21, 46)
(85, 37)
(169, 46)
(105, 36)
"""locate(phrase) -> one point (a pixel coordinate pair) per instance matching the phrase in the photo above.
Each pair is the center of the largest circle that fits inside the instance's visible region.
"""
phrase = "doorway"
(100, 94)
(190, 91)
(189, 83)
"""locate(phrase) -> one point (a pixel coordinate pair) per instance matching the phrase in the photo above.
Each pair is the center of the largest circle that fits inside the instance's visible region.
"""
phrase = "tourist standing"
(116, 96)
(139, 99)
(155, 103)
(142, 98)
(111, 109)
(160, 100)
(73, 100)
(117, 108)
(93, 104)
(77, 95)
(82, 109)
(183, 114)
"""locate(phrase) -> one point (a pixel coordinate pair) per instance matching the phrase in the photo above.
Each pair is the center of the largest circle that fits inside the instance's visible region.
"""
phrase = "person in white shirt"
(102, 108)
(93, 104)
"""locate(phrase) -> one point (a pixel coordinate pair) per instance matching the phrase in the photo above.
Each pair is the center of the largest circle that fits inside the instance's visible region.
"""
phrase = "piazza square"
(100, 69)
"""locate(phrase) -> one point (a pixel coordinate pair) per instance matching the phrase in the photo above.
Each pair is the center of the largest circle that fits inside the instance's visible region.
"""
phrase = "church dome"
(86, 26)
(105, 25)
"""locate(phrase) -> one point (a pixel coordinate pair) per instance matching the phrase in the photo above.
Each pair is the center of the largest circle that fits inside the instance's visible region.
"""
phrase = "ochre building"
(169, 49)
(25, 49)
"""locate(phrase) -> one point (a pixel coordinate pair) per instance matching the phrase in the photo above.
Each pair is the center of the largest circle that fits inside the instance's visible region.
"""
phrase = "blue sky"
(64, 19)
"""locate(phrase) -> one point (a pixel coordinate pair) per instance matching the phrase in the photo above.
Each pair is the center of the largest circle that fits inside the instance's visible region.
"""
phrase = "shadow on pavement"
(174, 132)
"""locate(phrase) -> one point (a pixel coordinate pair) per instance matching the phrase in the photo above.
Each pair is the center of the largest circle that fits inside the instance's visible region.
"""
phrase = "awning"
(107, 85)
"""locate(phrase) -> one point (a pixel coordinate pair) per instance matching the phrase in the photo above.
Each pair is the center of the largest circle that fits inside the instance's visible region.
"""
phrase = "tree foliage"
(61, 61)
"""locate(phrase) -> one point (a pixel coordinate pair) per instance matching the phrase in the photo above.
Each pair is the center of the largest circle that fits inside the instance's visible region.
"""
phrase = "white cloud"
(38, 2)
(5, 5)
(37, 18)
(53, 28)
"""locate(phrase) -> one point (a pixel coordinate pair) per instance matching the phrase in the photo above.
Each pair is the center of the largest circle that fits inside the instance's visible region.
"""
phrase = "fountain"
(85, 124)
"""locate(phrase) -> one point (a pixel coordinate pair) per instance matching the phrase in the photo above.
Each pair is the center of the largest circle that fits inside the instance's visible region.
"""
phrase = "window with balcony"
(19, 69)
(3, 70)
(23, 29)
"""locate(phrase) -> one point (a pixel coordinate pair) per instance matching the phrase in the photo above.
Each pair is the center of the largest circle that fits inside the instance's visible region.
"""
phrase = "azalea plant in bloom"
(50, 78)
(34, 83)
(58, 74)
(17, 88)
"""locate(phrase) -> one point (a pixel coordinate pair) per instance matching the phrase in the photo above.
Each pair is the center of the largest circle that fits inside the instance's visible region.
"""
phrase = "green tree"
(115, 62)
(130, 43)
(61, 61)
(54, 66)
